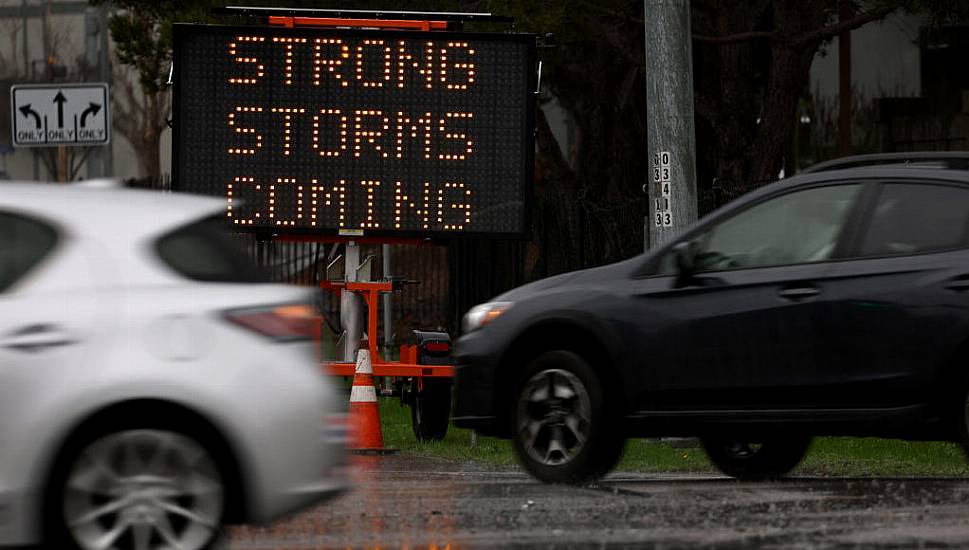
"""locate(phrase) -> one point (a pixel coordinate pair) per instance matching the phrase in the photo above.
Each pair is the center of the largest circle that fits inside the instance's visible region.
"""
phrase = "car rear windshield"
(205, 251)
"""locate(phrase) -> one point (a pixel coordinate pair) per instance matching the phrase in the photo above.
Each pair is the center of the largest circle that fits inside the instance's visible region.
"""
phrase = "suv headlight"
(483, 314)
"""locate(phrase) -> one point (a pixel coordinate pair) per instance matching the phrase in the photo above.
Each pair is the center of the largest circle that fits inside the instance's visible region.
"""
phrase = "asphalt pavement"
(416, 503)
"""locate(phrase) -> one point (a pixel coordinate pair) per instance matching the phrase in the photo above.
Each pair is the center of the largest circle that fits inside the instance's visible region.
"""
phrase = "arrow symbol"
(59, 99)
(92, 110)
(27, 111)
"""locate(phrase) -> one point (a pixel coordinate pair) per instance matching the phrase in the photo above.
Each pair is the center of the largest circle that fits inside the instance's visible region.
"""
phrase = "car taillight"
(284, 323)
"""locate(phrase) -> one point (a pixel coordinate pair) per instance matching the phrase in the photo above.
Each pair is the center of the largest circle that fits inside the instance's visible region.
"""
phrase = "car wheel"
(961, 415)
(137, 489)
(770, 458)
(565, 431)
(431, 410)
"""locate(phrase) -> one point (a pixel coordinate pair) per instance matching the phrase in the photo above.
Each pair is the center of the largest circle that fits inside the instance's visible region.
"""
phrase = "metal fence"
(423, 305)
(567, 232)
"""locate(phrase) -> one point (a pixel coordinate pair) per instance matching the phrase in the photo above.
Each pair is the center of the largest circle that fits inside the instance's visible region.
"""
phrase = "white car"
(152, 386)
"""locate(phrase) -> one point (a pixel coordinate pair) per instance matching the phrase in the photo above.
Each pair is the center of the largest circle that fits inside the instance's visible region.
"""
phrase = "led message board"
(351, 131)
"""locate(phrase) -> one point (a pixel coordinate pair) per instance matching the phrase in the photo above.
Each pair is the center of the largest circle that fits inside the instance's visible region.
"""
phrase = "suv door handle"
(35, 338)
(798, 293)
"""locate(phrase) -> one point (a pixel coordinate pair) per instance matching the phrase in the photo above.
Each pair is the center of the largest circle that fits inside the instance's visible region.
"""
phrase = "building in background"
(64, 41)
(909, 91)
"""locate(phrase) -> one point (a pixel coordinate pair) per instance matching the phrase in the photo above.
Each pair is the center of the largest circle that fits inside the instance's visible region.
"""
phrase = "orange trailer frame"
(407, 366)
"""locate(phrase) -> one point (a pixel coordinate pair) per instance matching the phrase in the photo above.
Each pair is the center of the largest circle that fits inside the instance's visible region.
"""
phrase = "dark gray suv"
(831, 303)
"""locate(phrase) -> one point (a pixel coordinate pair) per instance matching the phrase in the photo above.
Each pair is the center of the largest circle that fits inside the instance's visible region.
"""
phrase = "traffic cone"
(365, 434)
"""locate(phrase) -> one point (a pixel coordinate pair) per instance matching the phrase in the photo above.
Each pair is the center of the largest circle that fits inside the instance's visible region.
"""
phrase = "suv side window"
(24, 242)
(794, 228)
(910, 218)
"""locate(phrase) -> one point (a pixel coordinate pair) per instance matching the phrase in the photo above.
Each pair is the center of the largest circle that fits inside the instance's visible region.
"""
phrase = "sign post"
(60, 115)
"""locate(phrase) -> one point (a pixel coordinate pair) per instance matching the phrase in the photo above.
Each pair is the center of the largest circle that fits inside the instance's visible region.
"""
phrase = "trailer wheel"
(430, 410)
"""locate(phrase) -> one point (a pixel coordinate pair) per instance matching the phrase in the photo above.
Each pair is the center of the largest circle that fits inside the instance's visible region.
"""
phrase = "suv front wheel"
(565, 430)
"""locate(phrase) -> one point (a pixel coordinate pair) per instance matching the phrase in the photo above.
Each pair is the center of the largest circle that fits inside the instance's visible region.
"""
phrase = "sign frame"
(180, 30)
(103, 111)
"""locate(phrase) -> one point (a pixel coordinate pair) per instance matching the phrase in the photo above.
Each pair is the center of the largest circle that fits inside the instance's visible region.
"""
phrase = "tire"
(564, 429)
(139, 487)
(771, 458)
(430, 412)
(960, 413)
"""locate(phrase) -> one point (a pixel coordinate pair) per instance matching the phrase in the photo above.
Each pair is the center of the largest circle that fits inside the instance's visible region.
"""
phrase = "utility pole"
(104, 75)
(98, 61)
(26, 46)
(91, 58)
(671, 140)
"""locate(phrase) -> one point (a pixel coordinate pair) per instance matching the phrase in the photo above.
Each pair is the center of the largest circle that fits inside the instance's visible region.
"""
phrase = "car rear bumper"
(302, 497)
(296, 494)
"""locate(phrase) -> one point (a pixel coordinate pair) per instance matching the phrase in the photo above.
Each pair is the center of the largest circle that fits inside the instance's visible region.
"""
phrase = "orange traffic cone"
(365, 434)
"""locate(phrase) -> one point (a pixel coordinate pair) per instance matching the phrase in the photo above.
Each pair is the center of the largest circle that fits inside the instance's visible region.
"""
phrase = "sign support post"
(671, 188)
(388, 301)
(350, 304)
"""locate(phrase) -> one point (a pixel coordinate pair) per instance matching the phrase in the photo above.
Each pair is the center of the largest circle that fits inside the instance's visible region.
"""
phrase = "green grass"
(829, 456)
(848, 456)
(396, 425)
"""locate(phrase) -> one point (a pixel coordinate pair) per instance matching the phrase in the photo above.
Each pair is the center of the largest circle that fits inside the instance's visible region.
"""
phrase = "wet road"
(407, 502)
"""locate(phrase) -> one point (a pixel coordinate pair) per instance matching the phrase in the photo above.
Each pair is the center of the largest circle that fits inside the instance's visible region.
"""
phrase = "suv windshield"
(204, 251)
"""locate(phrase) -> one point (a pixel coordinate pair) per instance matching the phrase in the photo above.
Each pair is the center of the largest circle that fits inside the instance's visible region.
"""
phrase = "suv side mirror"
(684, 254)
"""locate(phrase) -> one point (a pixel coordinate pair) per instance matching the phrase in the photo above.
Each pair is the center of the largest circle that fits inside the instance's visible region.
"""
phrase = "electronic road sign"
(356, 131)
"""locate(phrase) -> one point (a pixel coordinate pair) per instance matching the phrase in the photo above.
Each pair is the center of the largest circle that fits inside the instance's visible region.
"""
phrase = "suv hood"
(591, 278)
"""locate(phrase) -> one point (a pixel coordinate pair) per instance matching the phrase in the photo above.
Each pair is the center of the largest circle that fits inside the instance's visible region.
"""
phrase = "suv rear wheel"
(769, 458)
(961, 414)
(565, 430)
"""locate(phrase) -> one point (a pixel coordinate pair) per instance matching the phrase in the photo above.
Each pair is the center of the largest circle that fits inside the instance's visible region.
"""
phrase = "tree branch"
(550, 160)
(823, 33)
(735, 38)
(830, 31)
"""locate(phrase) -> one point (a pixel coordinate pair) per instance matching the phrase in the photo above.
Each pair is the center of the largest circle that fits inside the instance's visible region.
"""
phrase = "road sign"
(69, 114)
(356, 132)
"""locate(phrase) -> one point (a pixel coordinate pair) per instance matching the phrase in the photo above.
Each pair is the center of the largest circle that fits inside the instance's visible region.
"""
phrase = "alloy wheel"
(554, 417)
(143, 490)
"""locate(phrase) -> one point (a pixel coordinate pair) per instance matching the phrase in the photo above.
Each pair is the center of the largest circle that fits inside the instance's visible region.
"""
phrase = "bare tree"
(10, 28)
(140, 118)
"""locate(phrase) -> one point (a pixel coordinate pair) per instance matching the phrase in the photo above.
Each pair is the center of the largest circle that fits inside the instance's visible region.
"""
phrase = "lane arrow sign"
(92, 110)
(59, 99)
(27, 111)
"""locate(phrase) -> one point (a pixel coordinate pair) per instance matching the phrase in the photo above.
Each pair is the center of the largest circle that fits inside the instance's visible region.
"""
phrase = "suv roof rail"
(950, 160)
